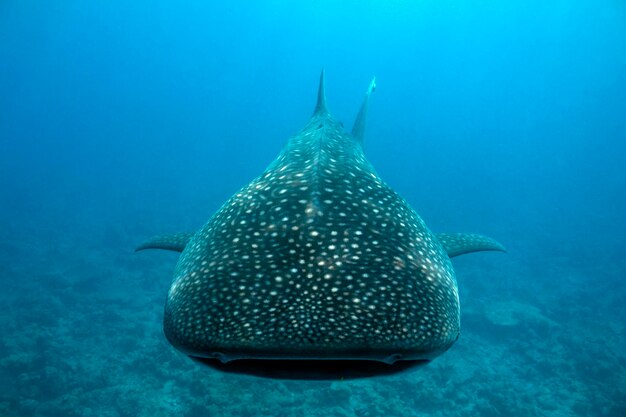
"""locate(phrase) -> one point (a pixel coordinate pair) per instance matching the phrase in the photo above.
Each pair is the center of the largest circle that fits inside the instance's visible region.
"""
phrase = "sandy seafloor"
(81, 336)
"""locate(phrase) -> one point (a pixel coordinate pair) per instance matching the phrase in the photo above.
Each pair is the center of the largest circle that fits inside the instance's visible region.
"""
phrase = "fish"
(316, 259)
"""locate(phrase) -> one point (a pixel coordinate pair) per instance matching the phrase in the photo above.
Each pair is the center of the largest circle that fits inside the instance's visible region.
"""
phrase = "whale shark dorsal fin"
(175, 242)
(456, 244)
(358, 130)
(320, 107)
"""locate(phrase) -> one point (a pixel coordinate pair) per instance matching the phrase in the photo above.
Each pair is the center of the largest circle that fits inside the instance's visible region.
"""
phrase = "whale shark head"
(317, 258)
(315, 264)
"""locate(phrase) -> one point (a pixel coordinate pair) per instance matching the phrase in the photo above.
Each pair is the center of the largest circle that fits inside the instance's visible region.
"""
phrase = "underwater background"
(123, 120)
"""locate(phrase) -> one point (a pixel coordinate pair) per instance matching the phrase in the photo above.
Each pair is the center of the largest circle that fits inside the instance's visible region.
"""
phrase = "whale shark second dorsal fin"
(358, 130)
(320, 107)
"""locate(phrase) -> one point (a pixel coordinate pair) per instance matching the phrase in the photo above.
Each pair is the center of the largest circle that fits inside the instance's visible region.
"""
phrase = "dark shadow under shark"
(316, 269)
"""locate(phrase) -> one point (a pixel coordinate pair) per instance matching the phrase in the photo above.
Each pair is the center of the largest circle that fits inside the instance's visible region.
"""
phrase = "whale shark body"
(316, 259)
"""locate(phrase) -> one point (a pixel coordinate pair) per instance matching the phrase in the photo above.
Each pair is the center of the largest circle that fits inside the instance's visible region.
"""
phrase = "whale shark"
(316, 259)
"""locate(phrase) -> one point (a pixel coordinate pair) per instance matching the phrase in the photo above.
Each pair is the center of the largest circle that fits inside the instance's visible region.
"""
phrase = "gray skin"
(317, 258)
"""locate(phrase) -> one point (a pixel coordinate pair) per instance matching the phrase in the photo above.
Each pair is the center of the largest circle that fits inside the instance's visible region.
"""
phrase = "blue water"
(121, 120)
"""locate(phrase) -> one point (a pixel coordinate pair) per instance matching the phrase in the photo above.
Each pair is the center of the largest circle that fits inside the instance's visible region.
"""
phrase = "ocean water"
(123, 120)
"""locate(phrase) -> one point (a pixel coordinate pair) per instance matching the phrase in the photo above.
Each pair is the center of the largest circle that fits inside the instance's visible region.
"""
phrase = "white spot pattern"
(316, 258)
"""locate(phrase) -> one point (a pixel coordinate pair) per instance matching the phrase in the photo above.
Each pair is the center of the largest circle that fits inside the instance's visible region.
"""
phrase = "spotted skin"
(317, 258)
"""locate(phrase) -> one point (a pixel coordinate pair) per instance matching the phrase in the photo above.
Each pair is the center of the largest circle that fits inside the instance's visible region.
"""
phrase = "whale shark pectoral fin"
(457, 244)
(175, 242)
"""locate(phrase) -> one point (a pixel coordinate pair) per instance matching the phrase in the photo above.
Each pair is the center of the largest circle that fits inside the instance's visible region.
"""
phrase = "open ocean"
(120, 120)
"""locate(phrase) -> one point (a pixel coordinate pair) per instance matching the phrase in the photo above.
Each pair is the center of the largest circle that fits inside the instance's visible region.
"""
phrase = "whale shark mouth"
(308, 369)
(380, 357)
(321, 367)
